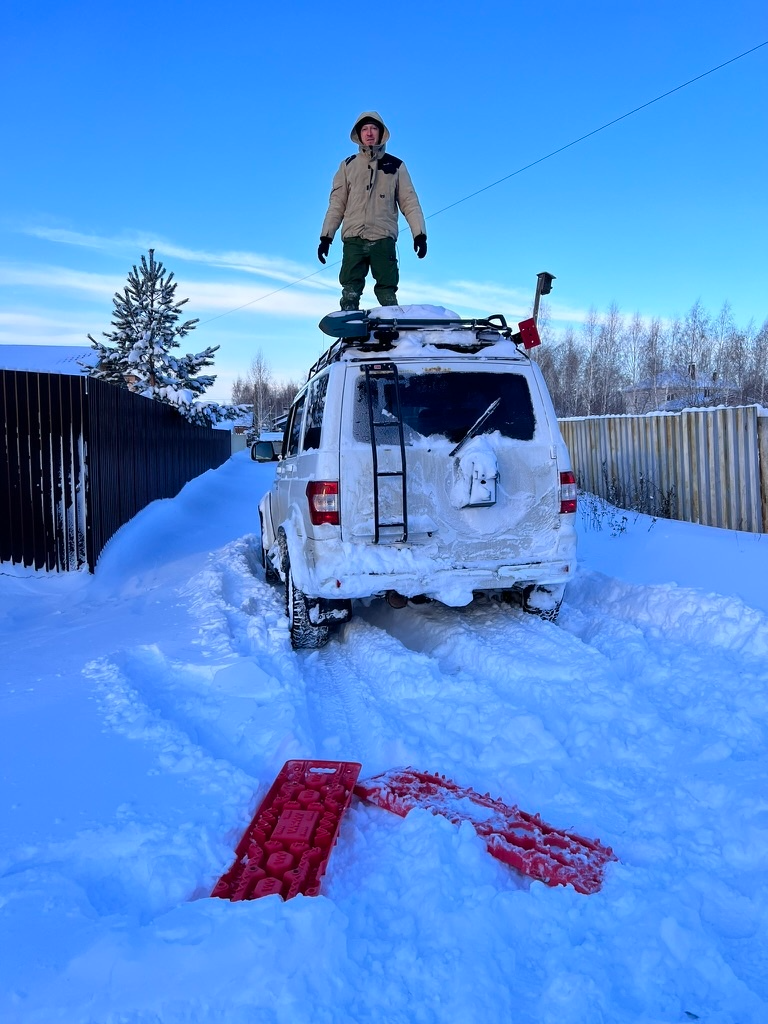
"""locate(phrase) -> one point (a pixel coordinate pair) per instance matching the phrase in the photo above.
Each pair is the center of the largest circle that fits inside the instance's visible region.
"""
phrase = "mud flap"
(325, 611)
(543, 600)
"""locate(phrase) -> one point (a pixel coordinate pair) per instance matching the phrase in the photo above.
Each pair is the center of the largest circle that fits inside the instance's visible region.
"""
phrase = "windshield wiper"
(476, 426)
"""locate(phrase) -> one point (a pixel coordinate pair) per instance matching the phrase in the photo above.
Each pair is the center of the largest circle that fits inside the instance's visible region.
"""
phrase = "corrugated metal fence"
(706, 466)
(82, 458)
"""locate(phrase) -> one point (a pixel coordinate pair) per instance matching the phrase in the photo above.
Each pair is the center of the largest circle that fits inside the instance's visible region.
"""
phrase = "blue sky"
(212, 132)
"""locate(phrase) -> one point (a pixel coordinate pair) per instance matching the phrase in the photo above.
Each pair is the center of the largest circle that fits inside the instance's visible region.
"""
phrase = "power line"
(519, 170)
(273, 292)
(608, 124)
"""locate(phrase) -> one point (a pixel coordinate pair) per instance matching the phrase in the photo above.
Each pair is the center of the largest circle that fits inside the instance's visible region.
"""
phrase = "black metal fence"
(82, 458)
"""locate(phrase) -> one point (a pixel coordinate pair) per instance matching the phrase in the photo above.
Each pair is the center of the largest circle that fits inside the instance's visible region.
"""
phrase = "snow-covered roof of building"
(47, 358)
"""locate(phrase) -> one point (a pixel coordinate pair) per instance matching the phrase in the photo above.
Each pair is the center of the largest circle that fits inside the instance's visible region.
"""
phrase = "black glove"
(420, 246)
(323, 248)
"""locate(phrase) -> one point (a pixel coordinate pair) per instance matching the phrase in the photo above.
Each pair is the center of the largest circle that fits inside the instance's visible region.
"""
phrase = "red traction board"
(286, 847)
(521, 840)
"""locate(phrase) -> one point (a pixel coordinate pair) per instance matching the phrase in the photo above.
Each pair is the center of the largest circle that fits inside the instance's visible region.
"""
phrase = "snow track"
(174, 697)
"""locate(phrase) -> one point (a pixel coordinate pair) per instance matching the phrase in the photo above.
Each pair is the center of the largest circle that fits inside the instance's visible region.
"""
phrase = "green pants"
(360, 255)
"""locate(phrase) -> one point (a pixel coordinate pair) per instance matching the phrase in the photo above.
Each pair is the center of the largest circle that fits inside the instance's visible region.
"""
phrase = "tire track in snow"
(221, 726)
(528, 666)
(404, 707)
(661, 767)
(243, 615)
(225, 722)
(607, 707)
(149, 879)
(365, 689)
(242, 699)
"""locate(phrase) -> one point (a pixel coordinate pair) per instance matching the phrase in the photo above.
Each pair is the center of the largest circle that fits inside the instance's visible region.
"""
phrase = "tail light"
(567, 493)
(323, 497)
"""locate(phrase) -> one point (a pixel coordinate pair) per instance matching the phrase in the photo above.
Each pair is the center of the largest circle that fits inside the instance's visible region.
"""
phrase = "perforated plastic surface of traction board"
(521, 840)
(285, 849)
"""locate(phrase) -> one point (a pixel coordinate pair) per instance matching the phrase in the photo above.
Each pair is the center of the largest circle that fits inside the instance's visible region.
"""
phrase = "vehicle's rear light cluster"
(568, 492)
(323, 497)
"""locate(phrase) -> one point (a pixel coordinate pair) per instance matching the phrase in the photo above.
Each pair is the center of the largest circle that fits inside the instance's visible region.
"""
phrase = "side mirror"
(264, 451)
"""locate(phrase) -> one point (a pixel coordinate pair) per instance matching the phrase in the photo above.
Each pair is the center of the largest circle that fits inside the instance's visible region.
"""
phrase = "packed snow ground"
(146, 710)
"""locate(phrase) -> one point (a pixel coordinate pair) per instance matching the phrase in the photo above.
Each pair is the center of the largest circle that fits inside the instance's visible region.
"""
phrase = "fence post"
(762, 448)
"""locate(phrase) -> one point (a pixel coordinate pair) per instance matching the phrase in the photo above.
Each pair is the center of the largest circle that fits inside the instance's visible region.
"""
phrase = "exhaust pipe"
(395, 600)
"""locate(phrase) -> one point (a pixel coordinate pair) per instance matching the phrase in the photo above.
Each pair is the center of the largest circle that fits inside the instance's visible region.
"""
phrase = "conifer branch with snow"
(139, 354)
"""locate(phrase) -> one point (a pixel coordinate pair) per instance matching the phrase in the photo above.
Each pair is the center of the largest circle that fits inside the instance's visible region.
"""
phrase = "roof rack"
(360, 324)
(358, 329)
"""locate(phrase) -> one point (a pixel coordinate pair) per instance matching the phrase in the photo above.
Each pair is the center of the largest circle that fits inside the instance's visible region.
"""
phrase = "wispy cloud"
(470, 296)
(485, 298)
(211, 297)
(286, 288)
(271, 267)
(247, 299)
(211, 300)
(36, 322)
(34, 329)
(59, 278)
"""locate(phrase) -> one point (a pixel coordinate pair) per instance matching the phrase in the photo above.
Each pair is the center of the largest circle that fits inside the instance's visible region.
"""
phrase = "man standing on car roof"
(367, 191)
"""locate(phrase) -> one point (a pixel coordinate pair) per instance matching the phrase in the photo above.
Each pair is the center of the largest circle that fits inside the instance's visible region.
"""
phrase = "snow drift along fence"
(81, 458)
(706, 466)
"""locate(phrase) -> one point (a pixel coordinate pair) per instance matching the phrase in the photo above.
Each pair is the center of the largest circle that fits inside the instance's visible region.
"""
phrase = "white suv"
(422, 459)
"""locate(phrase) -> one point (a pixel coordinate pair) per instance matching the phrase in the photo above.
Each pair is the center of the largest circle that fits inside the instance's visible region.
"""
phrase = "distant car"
(422, 459)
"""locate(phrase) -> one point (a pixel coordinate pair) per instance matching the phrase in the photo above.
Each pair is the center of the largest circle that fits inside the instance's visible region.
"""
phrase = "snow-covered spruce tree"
(140, 354)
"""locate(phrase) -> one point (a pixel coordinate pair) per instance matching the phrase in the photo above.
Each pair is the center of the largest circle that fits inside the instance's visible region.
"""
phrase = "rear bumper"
(454, 585)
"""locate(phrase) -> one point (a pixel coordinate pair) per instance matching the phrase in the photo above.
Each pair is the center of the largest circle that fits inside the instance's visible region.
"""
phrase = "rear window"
(445, 404)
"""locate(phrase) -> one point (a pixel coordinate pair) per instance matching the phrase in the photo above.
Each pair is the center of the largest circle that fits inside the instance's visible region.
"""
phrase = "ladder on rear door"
(373, 373)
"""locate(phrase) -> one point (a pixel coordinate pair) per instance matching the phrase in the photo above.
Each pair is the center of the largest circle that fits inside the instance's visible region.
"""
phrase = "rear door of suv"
(510, 516)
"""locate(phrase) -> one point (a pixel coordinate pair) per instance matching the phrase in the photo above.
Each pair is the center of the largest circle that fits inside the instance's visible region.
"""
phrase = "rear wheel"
(305, 635)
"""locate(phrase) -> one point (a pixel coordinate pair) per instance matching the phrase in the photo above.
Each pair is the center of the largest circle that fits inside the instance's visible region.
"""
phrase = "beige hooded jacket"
(367, 190)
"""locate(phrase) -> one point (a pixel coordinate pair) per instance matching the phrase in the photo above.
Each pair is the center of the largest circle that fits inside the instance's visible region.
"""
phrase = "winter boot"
(386, 296)
(349, 299)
